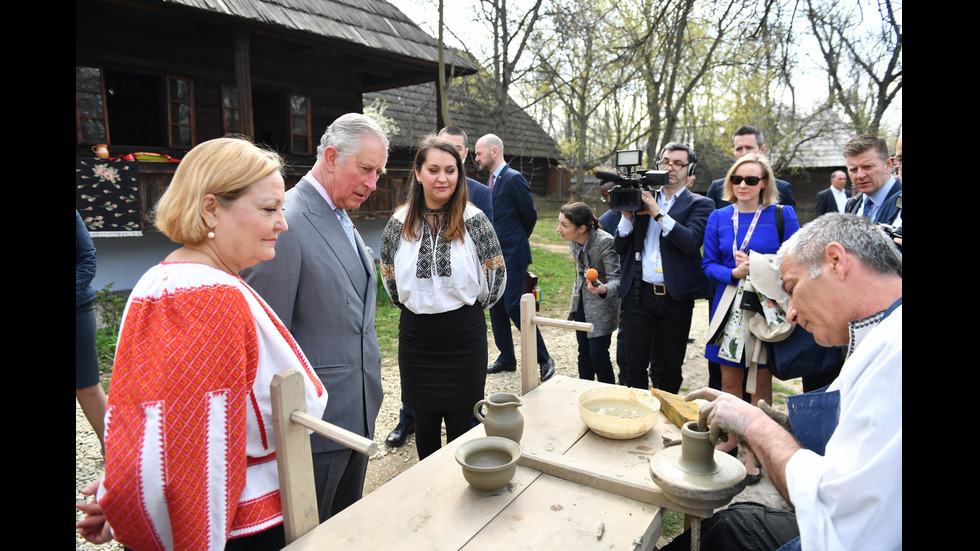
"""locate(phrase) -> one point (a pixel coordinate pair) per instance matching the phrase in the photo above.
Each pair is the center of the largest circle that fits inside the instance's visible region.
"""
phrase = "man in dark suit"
(870, 167)
(748, 139)
(323, 284)
(834, 198)
(666, 238)
(514, 216)
(479, 196)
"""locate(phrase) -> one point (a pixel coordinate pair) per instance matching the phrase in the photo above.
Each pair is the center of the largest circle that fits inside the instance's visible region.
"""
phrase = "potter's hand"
(724, 416)
(779, 417)
(94, 527)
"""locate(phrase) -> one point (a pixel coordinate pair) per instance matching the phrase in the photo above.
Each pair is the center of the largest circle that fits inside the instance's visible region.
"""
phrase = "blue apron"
(813, 417)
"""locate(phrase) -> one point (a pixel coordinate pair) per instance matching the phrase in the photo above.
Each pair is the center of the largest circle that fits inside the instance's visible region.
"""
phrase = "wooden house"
(157, 77)
(527, 147)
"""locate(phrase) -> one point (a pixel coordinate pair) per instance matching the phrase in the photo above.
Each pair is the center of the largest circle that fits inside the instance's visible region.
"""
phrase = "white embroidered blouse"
(431, 276)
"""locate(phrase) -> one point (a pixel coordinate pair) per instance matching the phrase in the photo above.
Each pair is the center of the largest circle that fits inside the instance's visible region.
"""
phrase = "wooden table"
(431, 507)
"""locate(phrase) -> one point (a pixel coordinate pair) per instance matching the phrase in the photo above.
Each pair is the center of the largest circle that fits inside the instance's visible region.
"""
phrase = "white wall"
(123, 260)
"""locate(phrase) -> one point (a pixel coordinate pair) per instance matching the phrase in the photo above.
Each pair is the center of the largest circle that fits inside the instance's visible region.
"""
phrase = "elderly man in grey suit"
(322, 284)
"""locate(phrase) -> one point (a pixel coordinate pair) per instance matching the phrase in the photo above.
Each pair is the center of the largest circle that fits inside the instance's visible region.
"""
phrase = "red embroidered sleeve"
(175, 444)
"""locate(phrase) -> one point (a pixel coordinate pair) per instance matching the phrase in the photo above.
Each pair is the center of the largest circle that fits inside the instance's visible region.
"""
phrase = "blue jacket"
(84, 263)
(480, 196)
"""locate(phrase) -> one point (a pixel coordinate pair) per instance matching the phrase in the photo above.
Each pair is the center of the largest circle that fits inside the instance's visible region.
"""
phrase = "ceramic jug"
(101, 151)
(502, 417)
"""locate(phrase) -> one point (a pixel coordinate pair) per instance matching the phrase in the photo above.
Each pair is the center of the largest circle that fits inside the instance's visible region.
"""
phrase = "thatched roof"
(372, 24)
(414, 110)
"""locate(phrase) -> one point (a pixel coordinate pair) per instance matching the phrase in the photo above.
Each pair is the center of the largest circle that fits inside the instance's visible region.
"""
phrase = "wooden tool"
(677, 410)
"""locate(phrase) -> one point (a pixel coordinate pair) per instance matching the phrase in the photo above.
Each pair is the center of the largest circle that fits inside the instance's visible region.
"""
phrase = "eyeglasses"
(897, 161)
(749, 180)
(676, 165)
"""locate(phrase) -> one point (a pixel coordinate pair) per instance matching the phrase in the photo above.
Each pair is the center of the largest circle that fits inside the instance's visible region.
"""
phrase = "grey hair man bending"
(840, 462)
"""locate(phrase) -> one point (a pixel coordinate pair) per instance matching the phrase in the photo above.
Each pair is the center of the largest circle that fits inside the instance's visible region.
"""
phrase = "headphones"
(692, 158)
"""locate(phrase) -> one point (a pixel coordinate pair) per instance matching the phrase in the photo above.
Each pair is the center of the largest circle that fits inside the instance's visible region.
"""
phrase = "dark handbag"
(799, 355)
(531, 286)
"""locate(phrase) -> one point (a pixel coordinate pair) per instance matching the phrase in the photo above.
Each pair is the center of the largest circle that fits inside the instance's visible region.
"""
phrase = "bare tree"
(510, 37)
(861, 49)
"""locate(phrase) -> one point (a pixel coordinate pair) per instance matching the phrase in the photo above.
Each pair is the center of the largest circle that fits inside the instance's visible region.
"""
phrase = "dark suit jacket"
(680, 249)
(717, 189)
(825, 203)
(325, 295)
(514, 216)
(887, 212)
(480, 196)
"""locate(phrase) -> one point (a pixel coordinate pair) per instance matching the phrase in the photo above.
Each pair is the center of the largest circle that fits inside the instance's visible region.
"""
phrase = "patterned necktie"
(348, 226)
(867, 207)
(491, 181)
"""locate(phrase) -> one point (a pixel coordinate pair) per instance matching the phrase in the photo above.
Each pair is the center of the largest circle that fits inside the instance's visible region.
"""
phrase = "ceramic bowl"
(618, 412)
(488, 463)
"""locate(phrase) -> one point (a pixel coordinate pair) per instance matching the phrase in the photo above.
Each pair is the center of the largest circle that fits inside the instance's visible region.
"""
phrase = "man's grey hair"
(859, 236)
(345, 134)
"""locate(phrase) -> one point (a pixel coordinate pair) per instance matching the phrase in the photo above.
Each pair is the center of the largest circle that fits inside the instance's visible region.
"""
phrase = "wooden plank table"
(431, 507)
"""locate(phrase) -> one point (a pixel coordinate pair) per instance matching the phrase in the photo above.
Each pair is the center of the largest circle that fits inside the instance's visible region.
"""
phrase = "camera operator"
(664, 238)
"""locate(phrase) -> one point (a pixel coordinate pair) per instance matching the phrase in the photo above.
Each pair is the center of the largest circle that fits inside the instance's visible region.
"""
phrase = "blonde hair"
(769, 195)
(224, 167)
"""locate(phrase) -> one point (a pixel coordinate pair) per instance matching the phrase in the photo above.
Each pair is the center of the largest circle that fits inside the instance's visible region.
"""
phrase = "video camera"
(626, 195)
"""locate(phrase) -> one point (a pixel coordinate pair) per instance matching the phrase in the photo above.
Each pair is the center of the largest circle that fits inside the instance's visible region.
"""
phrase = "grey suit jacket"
(325, 295)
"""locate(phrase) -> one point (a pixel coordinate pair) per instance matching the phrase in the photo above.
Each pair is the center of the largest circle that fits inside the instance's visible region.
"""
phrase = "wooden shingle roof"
(372, 24)
(414, 110)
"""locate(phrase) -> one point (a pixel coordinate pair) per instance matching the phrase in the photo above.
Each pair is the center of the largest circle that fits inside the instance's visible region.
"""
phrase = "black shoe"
(499, 366)
(751, 479)
(397, 437)
(547, 369)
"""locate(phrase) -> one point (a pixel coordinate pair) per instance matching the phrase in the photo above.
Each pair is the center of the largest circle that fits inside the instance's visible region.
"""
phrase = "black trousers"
(657, 327)
(743, 526)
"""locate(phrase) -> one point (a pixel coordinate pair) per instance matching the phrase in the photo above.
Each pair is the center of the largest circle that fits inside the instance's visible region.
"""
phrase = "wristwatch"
(659, 216)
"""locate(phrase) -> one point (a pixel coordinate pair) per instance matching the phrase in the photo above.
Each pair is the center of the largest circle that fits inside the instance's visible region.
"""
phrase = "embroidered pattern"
(390, 239)
(491, 255)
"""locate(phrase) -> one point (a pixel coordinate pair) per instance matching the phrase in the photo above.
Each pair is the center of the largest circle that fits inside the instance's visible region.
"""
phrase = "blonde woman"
(749, 224)
(189, 448)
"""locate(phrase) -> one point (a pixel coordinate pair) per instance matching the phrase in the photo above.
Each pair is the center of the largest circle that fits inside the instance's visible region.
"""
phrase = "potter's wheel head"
(697, 491)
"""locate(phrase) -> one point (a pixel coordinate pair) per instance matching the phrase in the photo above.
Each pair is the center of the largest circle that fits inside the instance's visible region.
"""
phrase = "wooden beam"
(243, 83)
(573, 470)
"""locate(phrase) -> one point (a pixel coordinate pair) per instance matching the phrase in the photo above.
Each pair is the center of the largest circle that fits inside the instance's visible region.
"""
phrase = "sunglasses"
(749, 180)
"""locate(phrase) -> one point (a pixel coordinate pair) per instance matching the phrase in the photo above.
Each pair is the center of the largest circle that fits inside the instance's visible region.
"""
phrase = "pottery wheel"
(697, 491)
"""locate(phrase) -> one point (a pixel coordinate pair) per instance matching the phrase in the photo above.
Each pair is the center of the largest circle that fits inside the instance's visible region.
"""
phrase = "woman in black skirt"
(441, 263)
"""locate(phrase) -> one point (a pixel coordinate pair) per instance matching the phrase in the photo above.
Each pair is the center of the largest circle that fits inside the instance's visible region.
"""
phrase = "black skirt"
(442, 359)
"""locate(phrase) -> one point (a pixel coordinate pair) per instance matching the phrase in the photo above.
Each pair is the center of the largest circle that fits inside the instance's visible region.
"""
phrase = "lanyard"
(748, 234)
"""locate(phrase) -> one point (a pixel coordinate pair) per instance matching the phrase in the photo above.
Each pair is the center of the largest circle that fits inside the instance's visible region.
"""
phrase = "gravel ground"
(389, 462)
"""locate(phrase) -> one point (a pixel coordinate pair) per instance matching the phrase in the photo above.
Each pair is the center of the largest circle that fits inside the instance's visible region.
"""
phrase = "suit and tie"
(514, 217)
(324, 292)
(660, 314)
(481, 197)
(826, 202)
(887, 210)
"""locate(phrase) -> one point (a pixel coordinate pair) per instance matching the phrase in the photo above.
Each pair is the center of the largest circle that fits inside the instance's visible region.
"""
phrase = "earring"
(211, 234)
